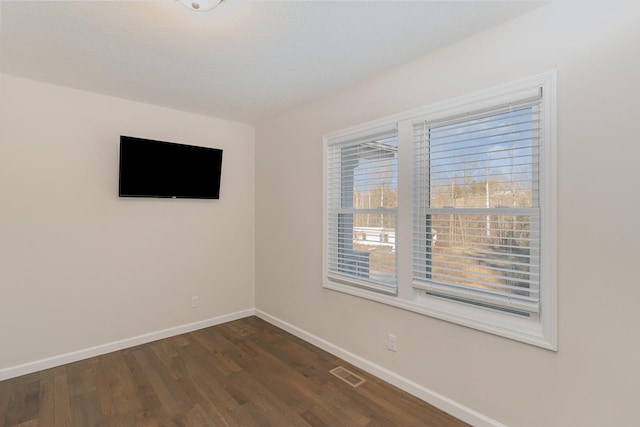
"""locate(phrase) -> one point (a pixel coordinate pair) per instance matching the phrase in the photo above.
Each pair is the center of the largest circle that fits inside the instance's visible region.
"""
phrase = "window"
(449, 211)
(477, 207)
(362, 210)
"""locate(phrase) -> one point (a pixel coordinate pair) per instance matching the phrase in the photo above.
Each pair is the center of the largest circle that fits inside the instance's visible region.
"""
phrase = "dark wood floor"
(242, 373)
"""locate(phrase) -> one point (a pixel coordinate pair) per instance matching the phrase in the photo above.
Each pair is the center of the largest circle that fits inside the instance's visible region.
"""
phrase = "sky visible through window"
(496, 150)
(378, 169)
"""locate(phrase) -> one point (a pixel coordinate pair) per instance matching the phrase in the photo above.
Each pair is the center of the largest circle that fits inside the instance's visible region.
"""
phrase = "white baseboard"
(50, 362)
(439, 401)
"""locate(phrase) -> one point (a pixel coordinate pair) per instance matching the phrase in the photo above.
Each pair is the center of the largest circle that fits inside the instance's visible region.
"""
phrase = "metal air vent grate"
(347, 376)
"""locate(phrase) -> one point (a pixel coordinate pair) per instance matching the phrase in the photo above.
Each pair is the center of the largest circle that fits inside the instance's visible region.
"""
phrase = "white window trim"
(539, 330)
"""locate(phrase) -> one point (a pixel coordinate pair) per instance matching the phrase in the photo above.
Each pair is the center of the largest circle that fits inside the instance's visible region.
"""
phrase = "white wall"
(593, 379)
(80, 267)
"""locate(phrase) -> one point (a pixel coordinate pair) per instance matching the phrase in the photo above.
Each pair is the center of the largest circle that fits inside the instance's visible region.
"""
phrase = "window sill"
(526, 330)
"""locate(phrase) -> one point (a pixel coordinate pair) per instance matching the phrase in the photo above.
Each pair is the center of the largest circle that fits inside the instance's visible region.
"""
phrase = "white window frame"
(538, 329)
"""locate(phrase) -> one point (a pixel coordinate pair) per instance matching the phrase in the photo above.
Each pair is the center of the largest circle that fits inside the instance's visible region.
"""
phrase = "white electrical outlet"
(195, 302)
(392, 343)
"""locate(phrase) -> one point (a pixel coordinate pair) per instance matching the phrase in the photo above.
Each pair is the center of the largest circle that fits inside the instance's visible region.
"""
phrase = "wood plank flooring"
(242, 373)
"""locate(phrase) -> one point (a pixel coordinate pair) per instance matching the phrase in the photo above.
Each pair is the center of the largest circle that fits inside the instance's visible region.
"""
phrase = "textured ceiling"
(243, 61)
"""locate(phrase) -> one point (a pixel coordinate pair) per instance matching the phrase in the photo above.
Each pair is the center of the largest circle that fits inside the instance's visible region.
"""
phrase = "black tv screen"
(151, 168)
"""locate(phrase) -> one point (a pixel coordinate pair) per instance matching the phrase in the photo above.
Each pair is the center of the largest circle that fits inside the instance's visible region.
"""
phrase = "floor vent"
(347, 376)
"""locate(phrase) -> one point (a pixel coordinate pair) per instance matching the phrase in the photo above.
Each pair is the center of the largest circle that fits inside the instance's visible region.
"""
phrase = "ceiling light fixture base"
(200, 5)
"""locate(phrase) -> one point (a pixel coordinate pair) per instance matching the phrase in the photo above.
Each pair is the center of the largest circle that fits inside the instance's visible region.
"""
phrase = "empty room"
(319, 213)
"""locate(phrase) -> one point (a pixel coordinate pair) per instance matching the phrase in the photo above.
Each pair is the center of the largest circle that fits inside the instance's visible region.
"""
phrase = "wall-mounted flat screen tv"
(150, 168)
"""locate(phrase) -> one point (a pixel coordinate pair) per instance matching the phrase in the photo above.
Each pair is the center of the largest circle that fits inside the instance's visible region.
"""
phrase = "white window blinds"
(362, 201)
(476, 225)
